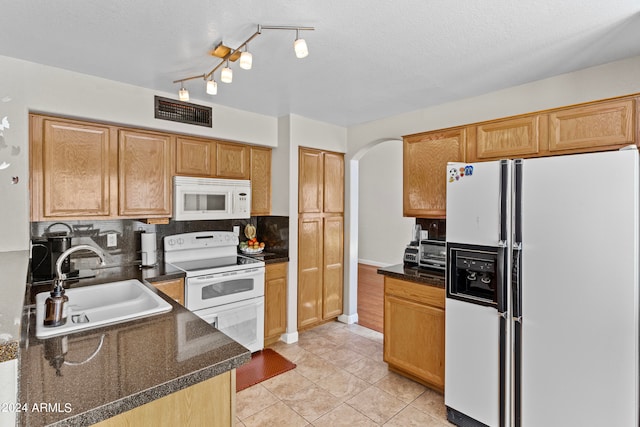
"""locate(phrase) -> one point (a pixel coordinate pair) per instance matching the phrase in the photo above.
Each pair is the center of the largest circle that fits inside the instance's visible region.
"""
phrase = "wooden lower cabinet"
(209, 403)
(414, 319)
(172, 288)
(320, 269)
(275, 302)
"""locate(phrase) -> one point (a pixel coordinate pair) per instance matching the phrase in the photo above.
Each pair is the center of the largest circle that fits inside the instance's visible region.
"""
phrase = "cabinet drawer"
(421, 293)
(275, 271)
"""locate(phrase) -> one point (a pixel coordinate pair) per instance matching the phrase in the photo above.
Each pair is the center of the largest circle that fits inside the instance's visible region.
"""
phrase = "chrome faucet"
(60, 276)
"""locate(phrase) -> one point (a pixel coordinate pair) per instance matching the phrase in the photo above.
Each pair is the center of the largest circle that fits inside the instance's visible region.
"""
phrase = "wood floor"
(370, 297)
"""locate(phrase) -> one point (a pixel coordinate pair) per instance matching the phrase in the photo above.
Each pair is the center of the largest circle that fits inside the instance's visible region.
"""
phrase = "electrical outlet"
(112, 240)
(236, 230)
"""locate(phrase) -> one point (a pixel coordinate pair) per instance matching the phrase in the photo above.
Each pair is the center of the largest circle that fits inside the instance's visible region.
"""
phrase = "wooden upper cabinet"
(260, 181)
(425, 158)
(144, 174)
(232, 160)
(195, 157)
(320, 181)
(333, 182)
(73, 168)
(520, 137)
(592, 127)
(310, 181)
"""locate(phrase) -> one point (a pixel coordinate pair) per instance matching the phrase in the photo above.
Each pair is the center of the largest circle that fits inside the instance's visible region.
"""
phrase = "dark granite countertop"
(270, 257)
(414, 274)
(110, 370)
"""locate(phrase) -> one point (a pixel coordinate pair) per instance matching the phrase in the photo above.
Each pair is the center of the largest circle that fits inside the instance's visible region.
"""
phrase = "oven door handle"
(241, 273)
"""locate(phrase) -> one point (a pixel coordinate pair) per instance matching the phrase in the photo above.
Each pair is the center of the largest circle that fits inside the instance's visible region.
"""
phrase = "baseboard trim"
(348, 319)
(289, 338)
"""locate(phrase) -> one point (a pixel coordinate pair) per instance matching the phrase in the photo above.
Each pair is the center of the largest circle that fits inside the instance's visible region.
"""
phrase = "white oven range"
(223, 288)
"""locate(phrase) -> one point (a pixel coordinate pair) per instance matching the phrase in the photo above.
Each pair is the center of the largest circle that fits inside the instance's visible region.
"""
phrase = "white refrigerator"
(542, 323)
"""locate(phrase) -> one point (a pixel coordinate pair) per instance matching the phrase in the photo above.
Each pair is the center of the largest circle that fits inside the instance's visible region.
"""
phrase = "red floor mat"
(263, 365)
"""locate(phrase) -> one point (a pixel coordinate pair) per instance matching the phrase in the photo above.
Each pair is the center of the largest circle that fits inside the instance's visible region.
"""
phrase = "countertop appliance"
(411, 255)
(210, 198)
(223, 288)
(45, 253)
(432, 254)
(541, 320)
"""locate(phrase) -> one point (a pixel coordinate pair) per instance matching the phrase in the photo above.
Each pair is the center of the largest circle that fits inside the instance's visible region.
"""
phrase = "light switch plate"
(236, 230)
(112, 240)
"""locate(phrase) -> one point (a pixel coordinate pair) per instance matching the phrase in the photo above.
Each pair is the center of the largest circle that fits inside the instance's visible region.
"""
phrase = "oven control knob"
(171, 242)
(180, 241)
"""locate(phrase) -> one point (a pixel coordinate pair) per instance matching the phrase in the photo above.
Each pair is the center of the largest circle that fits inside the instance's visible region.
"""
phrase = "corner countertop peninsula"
(86, 377)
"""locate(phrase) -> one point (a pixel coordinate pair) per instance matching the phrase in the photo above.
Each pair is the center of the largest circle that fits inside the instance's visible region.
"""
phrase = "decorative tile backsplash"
(273, 230)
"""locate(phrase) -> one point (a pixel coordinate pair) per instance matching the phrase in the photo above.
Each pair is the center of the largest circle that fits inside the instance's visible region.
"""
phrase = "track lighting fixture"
(227, 54)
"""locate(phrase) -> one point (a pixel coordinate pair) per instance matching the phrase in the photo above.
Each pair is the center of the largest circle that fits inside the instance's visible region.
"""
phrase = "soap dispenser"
(56, 306)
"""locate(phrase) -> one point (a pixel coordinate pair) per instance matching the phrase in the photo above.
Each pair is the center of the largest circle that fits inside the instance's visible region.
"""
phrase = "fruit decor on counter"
(251, 246)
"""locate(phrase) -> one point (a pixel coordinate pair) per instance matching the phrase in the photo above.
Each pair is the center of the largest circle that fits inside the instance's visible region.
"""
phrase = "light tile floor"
(340, 380)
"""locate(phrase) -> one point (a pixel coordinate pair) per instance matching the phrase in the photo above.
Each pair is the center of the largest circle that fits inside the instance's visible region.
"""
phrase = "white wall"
(36, 88)
(605, 81)
(381, 242)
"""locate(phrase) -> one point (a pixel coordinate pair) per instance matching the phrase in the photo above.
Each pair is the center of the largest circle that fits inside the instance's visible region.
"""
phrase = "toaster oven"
(432, 254)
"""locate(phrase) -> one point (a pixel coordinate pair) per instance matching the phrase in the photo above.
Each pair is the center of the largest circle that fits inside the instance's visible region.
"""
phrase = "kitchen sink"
(100, 305)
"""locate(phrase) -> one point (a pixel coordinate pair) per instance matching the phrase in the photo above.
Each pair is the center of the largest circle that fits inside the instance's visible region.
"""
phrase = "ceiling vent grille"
(183, 112)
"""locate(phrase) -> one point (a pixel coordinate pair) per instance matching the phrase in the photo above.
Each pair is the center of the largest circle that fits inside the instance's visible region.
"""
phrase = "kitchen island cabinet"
(414, 333)
(167, 369)
(173, 288)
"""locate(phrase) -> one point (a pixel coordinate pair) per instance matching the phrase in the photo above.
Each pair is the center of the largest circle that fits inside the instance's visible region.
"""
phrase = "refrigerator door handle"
(501, 285)
(504, 207)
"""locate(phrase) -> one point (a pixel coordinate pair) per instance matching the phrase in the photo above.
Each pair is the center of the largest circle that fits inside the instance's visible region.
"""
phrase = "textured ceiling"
(368, 59)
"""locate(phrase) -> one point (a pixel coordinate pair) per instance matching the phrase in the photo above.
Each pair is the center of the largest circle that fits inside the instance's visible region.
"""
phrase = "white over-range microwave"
(210, 198)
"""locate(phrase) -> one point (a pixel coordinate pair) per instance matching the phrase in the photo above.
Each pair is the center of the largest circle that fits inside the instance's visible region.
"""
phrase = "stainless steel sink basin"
(100, 305)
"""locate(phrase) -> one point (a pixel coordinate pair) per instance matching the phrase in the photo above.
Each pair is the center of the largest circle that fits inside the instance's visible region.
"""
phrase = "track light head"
(183, 94)
(246, 59)
(226, 75)
(212, 87)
